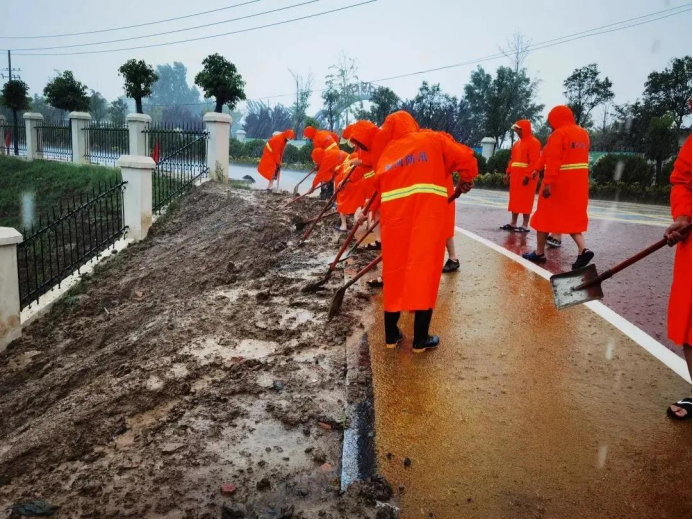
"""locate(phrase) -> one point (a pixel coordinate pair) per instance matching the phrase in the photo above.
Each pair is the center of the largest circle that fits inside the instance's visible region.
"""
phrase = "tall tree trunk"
(138, 105)
(16, 132)
(218, 106)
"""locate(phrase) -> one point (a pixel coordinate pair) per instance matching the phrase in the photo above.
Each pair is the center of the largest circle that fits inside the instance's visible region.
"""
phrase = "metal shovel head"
(314, 286)
(336, 304)
(563, 286)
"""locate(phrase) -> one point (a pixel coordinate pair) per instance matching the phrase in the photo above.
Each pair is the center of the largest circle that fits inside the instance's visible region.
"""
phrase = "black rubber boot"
(430, 343)
(422, 341)
(392, 333)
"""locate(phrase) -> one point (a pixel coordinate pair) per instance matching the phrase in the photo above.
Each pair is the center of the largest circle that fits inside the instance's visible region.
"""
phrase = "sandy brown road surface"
(188, 361)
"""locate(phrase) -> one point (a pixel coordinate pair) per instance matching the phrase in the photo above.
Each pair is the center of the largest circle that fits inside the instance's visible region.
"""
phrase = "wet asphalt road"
(524, 411)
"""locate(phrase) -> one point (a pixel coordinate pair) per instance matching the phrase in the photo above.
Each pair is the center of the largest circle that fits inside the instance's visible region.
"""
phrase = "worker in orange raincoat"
(321, 138)
(562, 206)
(679, 321)
(524, 154)
(350, 197)
(271, 161)
(412, 175)
(327, 162)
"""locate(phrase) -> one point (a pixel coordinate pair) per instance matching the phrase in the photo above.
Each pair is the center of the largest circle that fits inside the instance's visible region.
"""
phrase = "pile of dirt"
(188, 362)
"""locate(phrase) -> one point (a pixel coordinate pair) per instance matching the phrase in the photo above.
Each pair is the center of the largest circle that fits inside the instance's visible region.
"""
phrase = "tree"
(41, 106)
(383, 103)
(14, 96)
(342, 80)
(661, 142)
(172, 86)
(669, 90)
(262, 120)
(66, 93)
(432, 108)
(139, 78)
(98, 106)
(585, 91)
(300, 106)
(118, 111)
(330, 112)
(220, 79)
(495, 104)
(177, 114)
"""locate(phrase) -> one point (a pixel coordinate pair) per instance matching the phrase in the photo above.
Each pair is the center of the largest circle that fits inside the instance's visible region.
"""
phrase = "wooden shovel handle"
(363, 271)
(304, 178)
(630, 261)
(329, 202)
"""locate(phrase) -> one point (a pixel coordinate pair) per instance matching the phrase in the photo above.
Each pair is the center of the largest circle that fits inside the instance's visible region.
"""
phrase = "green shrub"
(628, 168)
(236, 148)
(304, 153)
(291, 154)
(667, 168)
(253, 148)
(481, 162)
(491, 181)
(498, 162)
(634, 192)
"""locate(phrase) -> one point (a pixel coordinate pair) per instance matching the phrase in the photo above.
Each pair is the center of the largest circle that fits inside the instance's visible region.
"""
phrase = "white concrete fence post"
(10, 323)
(3, 149)
(32, 120)
(240, 136)
(219, 128)
(79, 121)
(137, 198)
(137, 123)
(488, 146)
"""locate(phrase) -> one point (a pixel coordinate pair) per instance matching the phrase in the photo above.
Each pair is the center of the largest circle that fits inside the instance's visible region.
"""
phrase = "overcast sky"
(387, 37)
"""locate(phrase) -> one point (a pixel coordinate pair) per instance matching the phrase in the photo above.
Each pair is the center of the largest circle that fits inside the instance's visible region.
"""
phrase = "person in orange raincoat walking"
(412, 176)
(554, 239)
(524, 154)
(679, 320)
(271, 161)
(562, 206)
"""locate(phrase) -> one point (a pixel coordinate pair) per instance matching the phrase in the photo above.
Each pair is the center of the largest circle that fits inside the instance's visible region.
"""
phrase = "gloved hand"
(525, 180)
(547, 191)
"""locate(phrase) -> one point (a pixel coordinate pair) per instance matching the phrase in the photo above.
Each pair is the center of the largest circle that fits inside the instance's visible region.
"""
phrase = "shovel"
(313, 286)
(295, 192)
(338, 297)
(329, 203)
(584, 285)
(306, 194)
(301, 225)
(360, 240)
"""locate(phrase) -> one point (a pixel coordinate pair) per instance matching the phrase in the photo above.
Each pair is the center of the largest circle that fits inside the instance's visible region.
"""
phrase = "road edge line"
(639, 336)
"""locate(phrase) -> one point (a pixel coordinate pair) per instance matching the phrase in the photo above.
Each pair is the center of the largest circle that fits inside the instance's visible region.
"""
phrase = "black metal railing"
(71, 236)
(180, 153)
(54, 141)
(105, 142)
(7, 134)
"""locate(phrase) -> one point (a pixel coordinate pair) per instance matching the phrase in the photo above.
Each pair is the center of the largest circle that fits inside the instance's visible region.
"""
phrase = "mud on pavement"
(190, 361)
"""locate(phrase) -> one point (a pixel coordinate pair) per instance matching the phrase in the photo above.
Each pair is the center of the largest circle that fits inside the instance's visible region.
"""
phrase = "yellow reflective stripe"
(331, 146)
(432, 189)
(575, 166)
(269, 148)
(368, 175)
(519, 164)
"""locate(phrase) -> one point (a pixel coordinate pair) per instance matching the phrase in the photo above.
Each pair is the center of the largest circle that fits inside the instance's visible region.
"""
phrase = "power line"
(283, 22)
(129, 26)
(170, 32)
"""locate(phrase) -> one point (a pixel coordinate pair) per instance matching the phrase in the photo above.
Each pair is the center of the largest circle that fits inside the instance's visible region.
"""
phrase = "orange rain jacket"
(412, 175)
(524, 154)
(351, 197)
(567, 172)
(272, 154)
(361, 133)
(321, 138)
(679, 322)
(327, 162)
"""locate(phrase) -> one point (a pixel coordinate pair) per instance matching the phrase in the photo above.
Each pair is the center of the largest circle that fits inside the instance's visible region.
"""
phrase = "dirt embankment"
(189, 361)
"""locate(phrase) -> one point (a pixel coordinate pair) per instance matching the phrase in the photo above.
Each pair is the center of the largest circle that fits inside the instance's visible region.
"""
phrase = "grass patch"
(44, 185)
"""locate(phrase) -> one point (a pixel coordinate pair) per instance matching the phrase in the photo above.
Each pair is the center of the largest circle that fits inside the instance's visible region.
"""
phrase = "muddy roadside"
(190, 377)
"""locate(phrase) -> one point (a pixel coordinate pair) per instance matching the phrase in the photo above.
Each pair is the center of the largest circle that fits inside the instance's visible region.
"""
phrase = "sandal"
(340, 229)
(552, 242)
(684, 404)
(534, 257)
(373, 246)
(451, 266)
(508, 227)
(522, 229)
(375, 283)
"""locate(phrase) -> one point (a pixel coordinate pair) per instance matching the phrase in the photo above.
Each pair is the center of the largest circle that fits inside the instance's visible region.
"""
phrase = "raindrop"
(601, 456)
(610, 350)
(28, 209)
(618, 172)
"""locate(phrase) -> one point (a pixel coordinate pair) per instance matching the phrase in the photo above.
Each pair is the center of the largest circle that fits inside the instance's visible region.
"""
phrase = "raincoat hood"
(362, 133)
(396, 125)
(289, 134)
(309, 132)
(525, 126)
(561, 115)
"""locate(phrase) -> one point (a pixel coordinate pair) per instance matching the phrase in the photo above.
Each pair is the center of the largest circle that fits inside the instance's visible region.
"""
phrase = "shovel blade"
(336, 304)
(563, 287)
(314, 286)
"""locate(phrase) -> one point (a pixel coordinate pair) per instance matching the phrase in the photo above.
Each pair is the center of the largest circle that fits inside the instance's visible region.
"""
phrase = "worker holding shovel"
(272, 155)
(679, 319)
(525, 153)
(412, 176)
(562, 206)
(351, 197)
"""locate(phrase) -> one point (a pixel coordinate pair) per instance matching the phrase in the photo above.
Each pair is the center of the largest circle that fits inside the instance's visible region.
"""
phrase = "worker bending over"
(272, 155)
